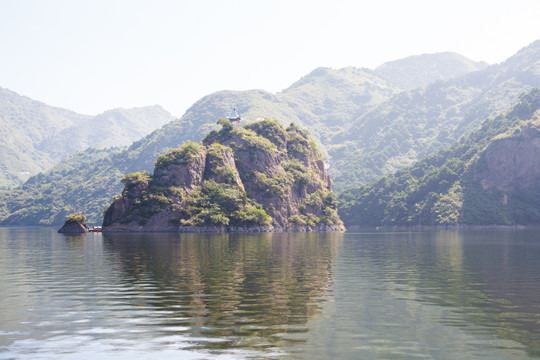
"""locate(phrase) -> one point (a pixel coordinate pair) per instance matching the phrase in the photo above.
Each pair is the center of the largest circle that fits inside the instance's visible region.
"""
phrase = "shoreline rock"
(224, 229)
(75, 224)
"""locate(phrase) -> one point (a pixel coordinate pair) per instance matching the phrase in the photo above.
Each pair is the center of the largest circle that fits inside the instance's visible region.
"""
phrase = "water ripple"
(397, 295)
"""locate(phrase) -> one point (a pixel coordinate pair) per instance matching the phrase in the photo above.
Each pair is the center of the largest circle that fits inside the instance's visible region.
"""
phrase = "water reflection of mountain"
(487, 280)
(248, 291)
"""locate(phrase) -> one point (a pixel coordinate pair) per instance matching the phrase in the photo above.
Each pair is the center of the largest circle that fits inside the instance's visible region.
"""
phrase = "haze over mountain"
(25, 124)
(113, 128)
(366, 125)
(418, 122)
(421, 70)
(370, 127)
(37, 136)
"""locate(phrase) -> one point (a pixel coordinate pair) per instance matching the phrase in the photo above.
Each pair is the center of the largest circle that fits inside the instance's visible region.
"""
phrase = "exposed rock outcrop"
(75, 224)
(259, 177)
(512, 163)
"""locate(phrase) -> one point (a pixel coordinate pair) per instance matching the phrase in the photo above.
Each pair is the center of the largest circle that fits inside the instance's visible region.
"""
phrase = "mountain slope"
(25, 124)
(491, 177)
(87, 181)
(326, 99)
(36, 136)
(416, 123)
(113, 128)
(366, 124)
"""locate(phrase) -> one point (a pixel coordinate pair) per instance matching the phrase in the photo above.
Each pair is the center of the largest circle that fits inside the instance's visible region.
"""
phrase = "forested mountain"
(37, 136)
(25, 124)
(415, 123)
(366, 126)
(490, 177)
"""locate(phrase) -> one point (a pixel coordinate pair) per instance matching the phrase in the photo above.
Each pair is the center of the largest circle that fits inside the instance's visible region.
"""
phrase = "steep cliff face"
(259, 177)
(512, 163)
(502, 186)
(181, 167)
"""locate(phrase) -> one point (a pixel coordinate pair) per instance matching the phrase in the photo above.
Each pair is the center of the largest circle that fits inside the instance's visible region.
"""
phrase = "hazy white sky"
(93, 55)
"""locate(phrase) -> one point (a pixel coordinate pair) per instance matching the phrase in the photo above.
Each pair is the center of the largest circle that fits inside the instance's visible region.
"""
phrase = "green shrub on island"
(186, 153)
(253, 141)
(223, 204)
(136, 178)
(269, 129)
(298, 146)
(75, 219)
(300, 174)
(272, 186)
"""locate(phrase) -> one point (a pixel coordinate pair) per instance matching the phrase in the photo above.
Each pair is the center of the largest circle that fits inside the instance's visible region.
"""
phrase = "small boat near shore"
(95, 229)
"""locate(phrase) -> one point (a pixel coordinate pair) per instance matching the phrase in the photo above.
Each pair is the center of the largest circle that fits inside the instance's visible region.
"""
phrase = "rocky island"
(257, 178)
(75, 224)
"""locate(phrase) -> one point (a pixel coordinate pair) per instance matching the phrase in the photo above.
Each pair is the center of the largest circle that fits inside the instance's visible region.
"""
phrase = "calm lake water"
(400, 295)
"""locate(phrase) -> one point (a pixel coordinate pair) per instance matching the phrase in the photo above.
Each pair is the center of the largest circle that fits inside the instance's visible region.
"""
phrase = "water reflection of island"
(249, 290)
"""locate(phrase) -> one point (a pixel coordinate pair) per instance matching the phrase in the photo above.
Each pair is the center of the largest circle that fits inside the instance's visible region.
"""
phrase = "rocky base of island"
(75, 224)
(224, 229)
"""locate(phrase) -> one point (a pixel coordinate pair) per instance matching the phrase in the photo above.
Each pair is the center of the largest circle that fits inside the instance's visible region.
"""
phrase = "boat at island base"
(95, 229)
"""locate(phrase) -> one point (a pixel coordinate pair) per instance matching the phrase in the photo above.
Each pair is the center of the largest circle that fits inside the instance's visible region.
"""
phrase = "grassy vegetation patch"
(223, 204)
(277, 186)
(269, 129)
(75, 219)
(186, 153)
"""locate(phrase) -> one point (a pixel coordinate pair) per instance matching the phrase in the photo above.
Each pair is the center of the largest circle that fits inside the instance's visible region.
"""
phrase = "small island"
(257, 178)
(75, 224)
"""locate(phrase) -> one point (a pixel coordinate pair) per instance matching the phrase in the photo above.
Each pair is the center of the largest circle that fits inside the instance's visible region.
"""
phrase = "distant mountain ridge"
(421, 70)
(25, 123)
(113, 128)
(365, 125)
(37, 136)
